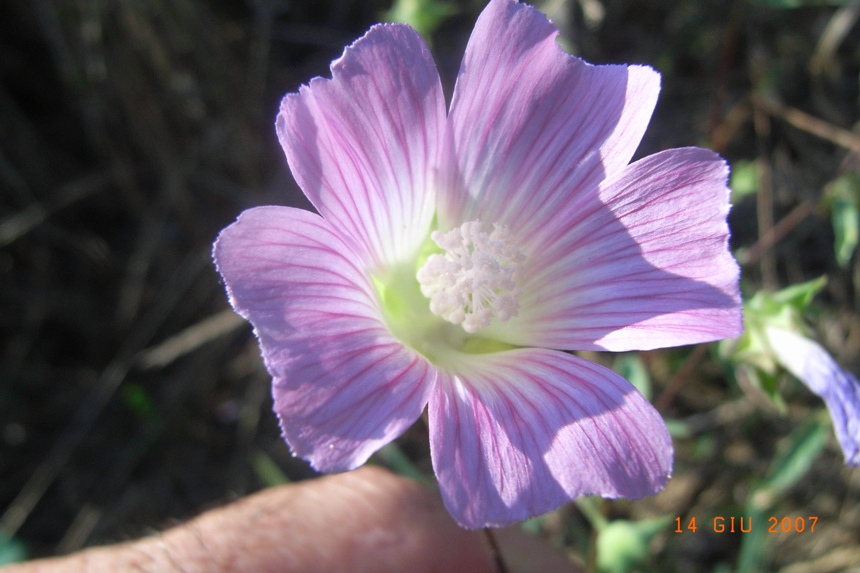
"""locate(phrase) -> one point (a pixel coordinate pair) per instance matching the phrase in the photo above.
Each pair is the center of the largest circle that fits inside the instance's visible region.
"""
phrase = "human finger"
(365, 520)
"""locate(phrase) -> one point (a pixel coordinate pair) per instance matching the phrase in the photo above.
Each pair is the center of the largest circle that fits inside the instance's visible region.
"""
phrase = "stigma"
(475, 279)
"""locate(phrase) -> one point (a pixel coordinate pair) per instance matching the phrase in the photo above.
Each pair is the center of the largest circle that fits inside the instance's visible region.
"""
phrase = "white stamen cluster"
(475, 279)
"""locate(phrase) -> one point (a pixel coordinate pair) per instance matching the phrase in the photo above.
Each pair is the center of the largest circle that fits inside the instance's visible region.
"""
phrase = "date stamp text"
(744, 524)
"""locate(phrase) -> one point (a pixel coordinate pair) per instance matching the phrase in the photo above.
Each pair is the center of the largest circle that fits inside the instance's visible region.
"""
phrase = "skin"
(365, 520)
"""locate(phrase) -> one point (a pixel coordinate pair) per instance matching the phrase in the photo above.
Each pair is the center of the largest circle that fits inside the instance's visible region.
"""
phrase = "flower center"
(475, 279)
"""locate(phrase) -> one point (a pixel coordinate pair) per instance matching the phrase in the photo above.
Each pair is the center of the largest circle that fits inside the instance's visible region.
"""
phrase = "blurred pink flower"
(839, 389)
(458, 255)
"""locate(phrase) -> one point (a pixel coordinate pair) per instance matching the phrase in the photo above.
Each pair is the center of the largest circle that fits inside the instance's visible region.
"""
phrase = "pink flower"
(458, 255)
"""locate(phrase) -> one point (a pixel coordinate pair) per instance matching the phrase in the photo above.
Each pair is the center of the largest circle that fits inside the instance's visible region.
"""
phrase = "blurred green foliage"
(744, 180)
(788, 4)
(844, 197)
(424, 15)
(11, 550)
(750, 355)
(789, 467)
(623, 545)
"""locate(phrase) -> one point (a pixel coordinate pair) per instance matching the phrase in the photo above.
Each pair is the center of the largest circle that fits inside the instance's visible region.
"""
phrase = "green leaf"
(678, 429)
(138, 400)
(753, 551)
(423, 15)
(267, 470)
(631, 367)
(805, 444)
(797, 297)
(753, 361)
(623, 545)
(11, 550)
(788, 468)
(846, 227)
(744, 180)
(765, 383)
(533, 526)
(844, 216)
(393, 458)
(589, 507)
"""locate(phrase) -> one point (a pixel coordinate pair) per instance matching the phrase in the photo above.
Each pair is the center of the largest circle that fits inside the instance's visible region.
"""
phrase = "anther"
(475, 279)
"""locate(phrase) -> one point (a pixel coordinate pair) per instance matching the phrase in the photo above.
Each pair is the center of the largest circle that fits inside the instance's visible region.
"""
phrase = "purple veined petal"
(364, 146)
(518, 433)
(640, 263)
(532, 125)
(343, 386)
(839, 389)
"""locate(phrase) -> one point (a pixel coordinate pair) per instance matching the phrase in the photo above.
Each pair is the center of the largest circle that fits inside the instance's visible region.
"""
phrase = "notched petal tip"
(384, 32)
(364, 144)
(535, 127)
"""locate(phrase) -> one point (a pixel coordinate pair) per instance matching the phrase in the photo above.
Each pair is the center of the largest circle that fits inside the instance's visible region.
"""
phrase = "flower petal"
(364, 145)
(641, 263)
(343, 386)
(518, 433)
(532, 125)
(839, 389)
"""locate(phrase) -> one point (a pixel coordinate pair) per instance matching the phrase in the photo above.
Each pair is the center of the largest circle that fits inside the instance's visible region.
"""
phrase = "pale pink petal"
(343, 386)
(519, 433)
(839, 389)
(364, 146)
(642, 262)
(534, 126)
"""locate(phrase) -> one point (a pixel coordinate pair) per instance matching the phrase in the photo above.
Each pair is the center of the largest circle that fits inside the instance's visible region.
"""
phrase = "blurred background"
(132, 131)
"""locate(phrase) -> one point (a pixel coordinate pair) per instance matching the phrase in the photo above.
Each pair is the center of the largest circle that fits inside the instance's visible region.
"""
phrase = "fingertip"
(441, 544)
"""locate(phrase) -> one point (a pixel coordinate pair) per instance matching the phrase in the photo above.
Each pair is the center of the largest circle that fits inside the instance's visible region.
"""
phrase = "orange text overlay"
(744, 524)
